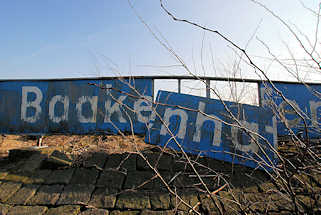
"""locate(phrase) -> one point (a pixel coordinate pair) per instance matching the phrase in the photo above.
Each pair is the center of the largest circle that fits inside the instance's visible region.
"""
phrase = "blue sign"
(304, 98)
(203, 126)
(75, 106)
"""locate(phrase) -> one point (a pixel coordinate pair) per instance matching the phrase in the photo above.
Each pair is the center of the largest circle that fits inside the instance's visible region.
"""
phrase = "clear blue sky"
(81, 38)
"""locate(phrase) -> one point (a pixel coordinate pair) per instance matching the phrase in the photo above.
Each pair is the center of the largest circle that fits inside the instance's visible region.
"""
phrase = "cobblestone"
(95, 212)
(121, 184)
(60, 176)
(46, 195)
(27, 210)
(133, 200)
(76, 194)
(84, 176)
(66, 209)
(97, 159)
(111, 179)
(23, 195)
(7, 189)
(103, 198)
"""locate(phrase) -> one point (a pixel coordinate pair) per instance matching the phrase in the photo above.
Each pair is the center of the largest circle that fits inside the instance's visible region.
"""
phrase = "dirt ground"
(76, 143)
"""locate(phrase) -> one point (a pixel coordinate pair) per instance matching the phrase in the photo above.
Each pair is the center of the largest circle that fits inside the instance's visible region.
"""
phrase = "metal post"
(179, 85)
(153, 89)
(259, 94)
(208, 88)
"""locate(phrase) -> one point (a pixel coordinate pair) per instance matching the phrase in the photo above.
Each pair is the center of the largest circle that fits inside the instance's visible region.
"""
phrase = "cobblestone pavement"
(48, 182)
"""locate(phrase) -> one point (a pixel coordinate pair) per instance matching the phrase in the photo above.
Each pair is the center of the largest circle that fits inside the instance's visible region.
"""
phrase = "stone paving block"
(3, 174)
(260, 202)
(149, 212)
(33, 163)
(64, 210)
(18, 177)
(129, 162)
(55, 160)
(181, 164)
(207, 204)
(266, 187)
(95, 212)
(6, 166)
(125, 162)
(228, 201)
(103, 198)
(27, 210)
(113, 161)
(137, 178)
(117, 212)
(279, 203)
(7, 189)
(190, 197)
(97, 159)
(84, 176)
(158, 184)
(133, 200)
(147, 180)
(21, 153)
(62, 176)
(182, 181)
(163, 161)
(160, 201)
(38, 177)
(23, 194)
(307, 201)
(4, 209)
(111, 179)
(46, 195)
(75, 194)
(218, 165)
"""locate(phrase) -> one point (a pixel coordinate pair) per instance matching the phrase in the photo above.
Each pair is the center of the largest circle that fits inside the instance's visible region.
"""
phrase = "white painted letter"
(250, 147)
(115, 108)
(273, 130)
(52, 104)
(139, 108)
(93, 100)
(314, 113)
(200, 120)
(284, 111)
(34, 104)
(182, 126)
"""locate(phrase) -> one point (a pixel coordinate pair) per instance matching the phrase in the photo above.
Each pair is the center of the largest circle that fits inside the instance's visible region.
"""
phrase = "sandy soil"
(76, 143)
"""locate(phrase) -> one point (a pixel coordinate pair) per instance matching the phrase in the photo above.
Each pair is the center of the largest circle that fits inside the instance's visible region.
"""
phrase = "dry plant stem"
(212, 193)
(234, 45)
(186, 156)
(165, 183)
(247, 131)
(310, 54)
(173, 137)
(239, 125)
(283, 181)
(262, 72)
(154, 168)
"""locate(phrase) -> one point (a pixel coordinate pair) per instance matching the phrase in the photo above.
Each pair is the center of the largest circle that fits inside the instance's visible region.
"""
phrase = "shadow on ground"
(48, 181)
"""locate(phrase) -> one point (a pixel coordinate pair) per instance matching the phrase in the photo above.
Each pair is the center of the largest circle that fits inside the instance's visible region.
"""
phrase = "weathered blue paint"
(199, 134)
(306, 98)
(74, 106)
